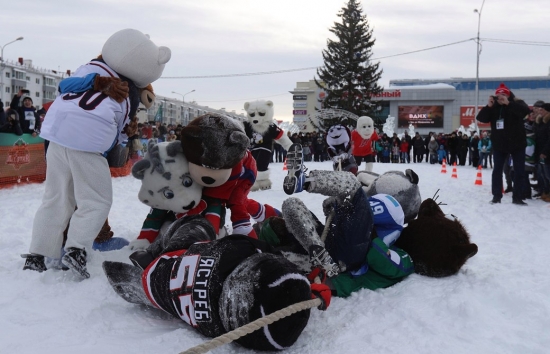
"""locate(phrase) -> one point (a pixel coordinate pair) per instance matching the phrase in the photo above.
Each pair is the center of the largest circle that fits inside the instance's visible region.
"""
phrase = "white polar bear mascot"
(363, 139)
(262, 132)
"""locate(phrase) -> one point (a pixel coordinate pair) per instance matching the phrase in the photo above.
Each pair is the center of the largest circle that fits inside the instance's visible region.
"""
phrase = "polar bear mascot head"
(365, 127)
(260, 115)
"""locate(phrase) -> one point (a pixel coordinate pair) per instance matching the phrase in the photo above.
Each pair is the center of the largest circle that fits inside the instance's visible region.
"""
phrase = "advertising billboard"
(299, 97)
(299, 112)
(420, 116)
(467, 116)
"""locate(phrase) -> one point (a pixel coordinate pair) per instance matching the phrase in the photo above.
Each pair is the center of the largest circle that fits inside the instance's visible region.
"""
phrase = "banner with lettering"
(22, 159)
(420, 116)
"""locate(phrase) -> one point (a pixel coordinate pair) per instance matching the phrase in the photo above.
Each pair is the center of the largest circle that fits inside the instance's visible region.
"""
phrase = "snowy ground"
(498, 303)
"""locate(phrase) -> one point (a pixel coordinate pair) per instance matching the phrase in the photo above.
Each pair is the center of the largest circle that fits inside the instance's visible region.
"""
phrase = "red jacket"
(363, 147)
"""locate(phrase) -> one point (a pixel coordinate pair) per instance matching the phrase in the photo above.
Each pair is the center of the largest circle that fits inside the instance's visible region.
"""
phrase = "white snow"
(498, 303)
(419, 86)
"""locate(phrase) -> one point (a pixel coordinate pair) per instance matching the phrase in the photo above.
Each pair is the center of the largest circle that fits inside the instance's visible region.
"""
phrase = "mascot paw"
(264, 184)
(255, 187)
(139, 244)
(112, 87)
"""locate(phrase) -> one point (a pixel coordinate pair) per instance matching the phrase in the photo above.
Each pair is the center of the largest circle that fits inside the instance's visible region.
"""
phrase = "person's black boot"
(495, 200)
(518, 202)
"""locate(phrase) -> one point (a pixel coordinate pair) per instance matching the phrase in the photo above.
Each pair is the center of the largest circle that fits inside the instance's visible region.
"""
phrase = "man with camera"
(506, 112)
(28, 118)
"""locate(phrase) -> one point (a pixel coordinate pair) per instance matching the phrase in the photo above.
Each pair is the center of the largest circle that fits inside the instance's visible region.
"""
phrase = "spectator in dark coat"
(426, 143)
(505, 113)
(2, 114)
(452, 147)
(418, 148)
(409, 141)
(11, 124)
(463, 147)
(474, 150)
(542, 150)
(28, 118)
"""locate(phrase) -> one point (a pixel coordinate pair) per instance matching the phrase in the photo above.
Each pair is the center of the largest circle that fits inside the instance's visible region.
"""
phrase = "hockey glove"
(112, 87)
(322, 292)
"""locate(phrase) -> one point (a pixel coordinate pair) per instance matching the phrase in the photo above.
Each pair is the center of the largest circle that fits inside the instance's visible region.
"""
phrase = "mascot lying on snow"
(213, 285)
(438, 243)
(363, 226)
(262, 132)
(218, 286)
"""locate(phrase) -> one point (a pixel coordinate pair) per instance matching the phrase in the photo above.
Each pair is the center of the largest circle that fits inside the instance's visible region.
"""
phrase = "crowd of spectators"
(455, 147)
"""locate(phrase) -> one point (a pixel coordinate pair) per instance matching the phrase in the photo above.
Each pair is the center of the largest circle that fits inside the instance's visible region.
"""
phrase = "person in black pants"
(505, 112)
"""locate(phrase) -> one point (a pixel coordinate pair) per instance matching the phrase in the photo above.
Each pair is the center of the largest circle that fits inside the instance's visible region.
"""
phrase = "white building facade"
(21, 74)
(438, 105)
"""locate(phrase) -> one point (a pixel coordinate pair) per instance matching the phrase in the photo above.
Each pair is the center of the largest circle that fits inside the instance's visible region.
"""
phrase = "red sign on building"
(467, 117)
(394, 93)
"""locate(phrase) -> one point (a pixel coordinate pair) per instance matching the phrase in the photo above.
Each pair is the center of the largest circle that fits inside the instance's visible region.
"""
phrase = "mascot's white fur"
(165, 181)
(403, 186)
(262, 132)
(363, 140)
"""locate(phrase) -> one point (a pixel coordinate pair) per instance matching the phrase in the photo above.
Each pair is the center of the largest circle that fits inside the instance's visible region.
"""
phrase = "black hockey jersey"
(188, 283)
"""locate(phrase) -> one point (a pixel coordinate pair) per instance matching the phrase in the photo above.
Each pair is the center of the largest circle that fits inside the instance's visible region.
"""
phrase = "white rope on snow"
(252, 326)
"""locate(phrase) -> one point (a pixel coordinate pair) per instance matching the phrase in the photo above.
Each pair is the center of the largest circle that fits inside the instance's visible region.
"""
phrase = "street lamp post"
(477, 63)
(182, 99)
(2, 66)
(182, 95)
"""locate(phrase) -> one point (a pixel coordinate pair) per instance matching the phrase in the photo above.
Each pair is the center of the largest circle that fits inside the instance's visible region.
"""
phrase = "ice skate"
(75, 259)
(296, 178)
(319, 257)
(34, 262)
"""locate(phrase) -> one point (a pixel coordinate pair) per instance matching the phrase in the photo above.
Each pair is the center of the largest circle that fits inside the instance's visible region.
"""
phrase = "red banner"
(467, 116)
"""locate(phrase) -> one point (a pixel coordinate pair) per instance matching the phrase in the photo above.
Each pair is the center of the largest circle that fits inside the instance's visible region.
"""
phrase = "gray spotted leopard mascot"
(263, 132)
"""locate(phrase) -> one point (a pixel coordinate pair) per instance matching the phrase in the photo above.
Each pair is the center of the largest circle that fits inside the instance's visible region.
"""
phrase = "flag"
(158, 116)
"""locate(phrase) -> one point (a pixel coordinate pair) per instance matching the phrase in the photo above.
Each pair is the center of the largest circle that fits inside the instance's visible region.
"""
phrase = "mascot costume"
(217, 150)
(362, 142)
(218, 286)
(361, 245)
(263, 132)
(339, 149)
(438, 243)
(97, 123)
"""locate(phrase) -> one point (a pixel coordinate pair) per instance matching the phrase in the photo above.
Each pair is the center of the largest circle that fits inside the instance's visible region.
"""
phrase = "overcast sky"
(219, 37)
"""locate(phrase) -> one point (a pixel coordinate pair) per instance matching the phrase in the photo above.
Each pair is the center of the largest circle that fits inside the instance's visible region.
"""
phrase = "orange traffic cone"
(478, 177)
(443, 167)
(284, 166)
(454, 175)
